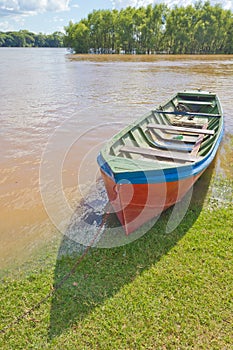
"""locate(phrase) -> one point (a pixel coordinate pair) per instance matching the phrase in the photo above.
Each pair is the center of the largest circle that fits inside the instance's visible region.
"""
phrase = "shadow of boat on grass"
(103, 272)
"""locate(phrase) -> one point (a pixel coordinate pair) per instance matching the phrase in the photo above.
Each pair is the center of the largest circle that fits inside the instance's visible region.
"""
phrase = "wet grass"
(141, 296)
(163, 291)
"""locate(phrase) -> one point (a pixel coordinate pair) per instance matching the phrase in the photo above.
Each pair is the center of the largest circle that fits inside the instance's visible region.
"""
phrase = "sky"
(48, 16)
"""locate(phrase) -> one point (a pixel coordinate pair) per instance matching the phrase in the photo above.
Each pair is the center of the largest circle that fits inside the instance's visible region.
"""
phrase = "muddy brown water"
(56, 113)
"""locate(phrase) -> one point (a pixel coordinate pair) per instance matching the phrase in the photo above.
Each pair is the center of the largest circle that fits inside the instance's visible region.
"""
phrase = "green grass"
(163, 291)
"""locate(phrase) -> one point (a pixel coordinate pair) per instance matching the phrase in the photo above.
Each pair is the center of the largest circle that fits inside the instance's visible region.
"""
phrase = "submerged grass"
(163, 291)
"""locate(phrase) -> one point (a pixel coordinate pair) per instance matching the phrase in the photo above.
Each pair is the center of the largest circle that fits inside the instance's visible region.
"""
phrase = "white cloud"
(13, 7)
(57, 19)
(8, 25)
(4, 26)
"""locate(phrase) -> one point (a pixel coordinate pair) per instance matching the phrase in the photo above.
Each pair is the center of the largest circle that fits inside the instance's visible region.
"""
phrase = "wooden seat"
(181, 129)
(163, 143)
(203, 103)
(160, 154)
(172, 136)
(195, 114)
(169, 144)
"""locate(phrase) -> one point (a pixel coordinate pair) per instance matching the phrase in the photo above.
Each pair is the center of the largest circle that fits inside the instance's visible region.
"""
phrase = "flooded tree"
(200, 28)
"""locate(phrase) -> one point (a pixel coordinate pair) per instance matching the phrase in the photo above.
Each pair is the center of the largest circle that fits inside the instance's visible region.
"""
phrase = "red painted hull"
(136, 204)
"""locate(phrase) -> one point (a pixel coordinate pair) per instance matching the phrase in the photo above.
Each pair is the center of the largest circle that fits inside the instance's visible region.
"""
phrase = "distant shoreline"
(145, 58)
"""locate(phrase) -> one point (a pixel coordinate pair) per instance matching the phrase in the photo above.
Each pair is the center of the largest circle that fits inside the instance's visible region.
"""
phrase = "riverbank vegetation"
(163, 291)
(24, 38)
(198, 29)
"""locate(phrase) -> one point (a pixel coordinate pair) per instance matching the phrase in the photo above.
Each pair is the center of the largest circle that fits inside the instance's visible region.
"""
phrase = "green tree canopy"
(200, 28)
(24, 38)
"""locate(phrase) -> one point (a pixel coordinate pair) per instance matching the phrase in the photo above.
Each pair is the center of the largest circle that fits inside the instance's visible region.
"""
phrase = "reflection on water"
(44, 90)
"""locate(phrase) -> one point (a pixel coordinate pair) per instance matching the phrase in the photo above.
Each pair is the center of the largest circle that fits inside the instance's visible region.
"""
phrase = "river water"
(56, 112)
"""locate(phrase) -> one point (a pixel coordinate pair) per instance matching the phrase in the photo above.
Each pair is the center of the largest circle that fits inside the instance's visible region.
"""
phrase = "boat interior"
(181, 131)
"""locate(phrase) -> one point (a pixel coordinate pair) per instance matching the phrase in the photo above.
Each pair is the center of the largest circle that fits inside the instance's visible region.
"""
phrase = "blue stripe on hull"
(161, 175)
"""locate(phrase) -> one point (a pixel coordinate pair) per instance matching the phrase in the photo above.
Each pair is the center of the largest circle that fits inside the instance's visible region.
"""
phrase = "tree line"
(193, 29)
(25, 38)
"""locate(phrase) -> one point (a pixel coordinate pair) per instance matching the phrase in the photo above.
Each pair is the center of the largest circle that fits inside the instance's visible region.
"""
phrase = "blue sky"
(48, 16)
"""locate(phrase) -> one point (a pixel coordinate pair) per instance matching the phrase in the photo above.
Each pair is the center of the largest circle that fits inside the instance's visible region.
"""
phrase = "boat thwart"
(152, 163)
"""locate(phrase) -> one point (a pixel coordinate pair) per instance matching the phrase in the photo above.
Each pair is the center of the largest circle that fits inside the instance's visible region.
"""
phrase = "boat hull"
(135, 204)
(152, 163)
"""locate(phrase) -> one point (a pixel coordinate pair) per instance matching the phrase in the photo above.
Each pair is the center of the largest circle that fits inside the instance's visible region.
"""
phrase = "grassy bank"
(160, 292)
(163, 291)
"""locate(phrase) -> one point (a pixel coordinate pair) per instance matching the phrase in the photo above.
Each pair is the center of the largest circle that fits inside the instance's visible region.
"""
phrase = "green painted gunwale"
(120, 164)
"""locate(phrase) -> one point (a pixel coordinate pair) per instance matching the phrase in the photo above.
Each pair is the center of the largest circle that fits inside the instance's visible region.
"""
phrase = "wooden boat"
(152, 163)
